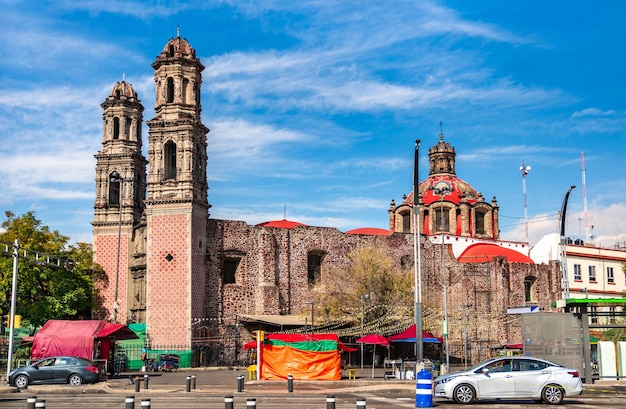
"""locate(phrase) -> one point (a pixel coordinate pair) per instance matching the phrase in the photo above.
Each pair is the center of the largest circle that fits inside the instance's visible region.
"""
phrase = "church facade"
(198, 281)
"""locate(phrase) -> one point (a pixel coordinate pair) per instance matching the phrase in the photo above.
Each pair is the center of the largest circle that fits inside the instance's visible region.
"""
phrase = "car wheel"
(464, 393)
(21, 381)
(553, 394)
(75, 380)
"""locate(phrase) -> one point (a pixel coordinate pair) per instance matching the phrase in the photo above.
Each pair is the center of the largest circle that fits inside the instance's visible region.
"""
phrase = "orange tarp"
(281, 360)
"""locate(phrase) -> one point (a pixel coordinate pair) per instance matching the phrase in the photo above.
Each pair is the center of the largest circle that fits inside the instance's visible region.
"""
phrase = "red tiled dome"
(371, 231)
(283, 224)
(484, 252)
(461, 190)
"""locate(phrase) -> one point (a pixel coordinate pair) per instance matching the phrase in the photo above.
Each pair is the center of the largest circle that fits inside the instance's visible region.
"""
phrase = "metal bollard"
(290, 383)
(137, 384)
(130, 402)
(251, 404)
(30, 402)
(360, 403)
(188, 383)
(145, 381)
(229, 402)
(145, 403)
(240, 380)
(193, 382)
(40, 403)
(330, 402)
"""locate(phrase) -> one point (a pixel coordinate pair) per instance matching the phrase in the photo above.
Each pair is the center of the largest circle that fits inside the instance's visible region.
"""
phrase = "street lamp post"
(564, 245)
(363, 298)
(117, 178)
(443, 188)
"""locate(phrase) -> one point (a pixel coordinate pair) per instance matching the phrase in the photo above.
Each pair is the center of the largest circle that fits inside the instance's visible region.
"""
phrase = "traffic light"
(17, 321)
(7, 321)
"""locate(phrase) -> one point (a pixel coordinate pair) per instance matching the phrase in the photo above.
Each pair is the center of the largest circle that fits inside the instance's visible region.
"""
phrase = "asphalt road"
(175, 390)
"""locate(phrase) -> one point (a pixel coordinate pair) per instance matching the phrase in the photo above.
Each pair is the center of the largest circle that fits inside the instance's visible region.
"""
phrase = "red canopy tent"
(373, 339)
(89, 339)
(410, 334)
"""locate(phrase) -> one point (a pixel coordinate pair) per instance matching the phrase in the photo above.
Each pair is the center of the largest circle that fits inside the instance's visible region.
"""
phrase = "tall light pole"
(525, 169)
(417, 259)
(442, 188)
(116, 178)
(564, 246)
(312, 319)
(363, 298)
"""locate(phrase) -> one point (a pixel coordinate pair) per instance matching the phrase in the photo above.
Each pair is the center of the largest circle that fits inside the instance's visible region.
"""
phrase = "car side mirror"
(485, 371)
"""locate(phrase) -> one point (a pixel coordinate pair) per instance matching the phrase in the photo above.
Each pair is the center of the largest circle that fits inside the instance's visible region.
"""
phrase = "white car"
(511, 377)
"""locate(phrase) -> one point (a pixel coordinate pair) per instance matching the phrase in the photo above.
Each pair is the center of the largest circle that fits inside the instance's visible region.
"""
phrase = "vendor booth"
(303, 356)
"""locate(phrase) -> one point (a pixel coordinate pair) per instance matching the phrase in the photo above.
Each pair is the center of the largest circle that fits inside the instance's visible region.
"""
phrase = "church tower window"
(116, 128)
(114, 191)
(442, 220)
(170, 160)
(170, 90)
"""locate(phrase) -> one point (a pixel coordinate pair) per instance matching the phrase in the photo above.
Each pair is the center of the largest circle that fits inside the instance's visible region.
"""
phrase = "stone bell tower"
(120, 193)
(177, 203)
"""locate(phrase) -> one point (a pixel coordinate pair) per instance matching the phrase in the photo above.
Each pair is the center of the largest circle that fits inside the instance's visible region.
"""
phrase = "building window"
(577, 273)
(528, 287)
(610, 278)
(229, 271)
(114, 192)
(442, 220)
(593, 315)
(170, 160)
(314, 268)
(116, 128)
(170, 90)
(612, 315)
(406, 222)
(592, 274)
(480, 222)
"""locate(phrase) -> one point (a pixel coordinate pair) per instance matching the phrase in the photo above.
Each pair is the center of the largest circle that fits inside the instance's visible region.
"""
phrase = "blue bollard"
(424, 389)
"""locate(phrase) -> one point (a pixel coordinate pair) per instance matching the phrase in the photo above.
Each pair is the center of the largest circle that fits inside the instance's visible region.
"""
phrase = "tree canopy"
(46, 290)
(369, 280)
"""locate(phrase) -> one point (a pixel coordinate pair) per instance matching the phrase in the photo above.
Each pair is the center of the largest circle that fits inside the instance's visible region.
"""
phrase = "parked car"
(56, 369)
(512, 377)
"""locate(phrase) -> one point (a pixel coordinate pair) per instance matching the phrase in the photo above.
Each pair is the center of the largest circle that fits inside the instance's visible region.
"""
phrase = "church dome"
(177, 48)
(123, 89)
(457, 190)
(281, 224)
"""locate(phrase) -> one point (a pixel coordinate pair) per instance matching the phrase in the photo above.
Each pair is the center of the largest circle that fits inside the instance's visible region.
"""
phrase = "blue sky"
(315, 105)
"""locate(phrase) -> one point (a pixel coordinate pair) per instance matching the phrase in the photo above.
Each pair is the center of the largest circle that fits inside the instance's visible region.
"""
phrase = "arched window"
(186, 91)
(171, 50)
(170, 90)
(479, 218)
(170, 160)
(314, 267)
(442, 220)
(116, 128)
(114, 192)
(406, 222)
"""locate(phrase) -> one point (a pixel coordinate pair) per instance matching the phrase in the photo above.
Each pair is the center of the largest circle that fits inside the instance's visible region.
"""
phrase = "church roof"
(458, 190)
(283, 224)
(484, 252)
(371, 231)
(123, 88)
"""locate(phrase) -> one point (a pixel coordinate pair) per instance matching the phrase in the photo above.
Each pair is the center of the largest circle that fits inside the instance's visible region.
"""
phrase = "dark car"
(56, 369)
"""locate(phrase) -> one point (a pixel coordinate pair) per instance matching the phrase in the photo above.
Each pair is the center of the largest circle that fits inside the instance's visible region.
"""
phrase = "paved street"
(169, 391)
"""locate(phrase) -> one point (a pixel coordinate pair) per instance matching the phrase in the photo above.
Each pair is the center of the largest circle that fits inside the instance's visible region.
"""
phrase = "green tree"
(370, 272)
(44, 290)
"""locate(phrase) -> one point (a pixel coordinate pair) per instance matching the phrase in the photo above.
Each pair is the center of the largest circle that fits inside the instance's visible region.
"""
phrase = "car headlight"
(444, 380)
